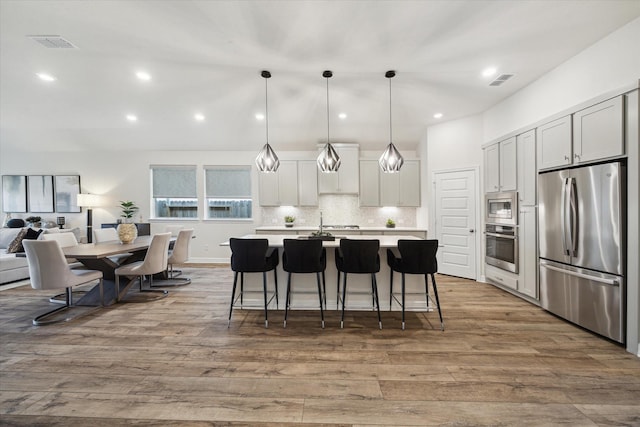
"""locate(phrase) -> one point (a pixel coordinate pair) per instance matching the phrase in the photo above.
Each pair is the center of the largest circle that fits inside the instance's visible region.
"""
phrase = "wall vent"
(53, 42)
(501, 79)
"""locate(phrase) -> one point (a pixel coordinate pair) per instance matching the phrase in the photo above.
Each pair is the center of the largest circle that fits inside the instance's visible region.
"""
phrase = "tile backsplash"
(339, 209)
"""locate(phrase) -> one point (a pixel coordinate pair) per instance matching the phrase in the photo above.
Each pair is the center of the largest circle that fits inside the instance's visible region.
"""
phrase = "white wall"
(609, 64)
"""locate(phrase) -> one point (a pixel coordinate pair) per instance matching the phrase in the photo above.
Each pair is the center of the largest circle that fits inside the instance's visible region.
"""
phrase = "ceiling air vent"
(501, 79)
(53, 42)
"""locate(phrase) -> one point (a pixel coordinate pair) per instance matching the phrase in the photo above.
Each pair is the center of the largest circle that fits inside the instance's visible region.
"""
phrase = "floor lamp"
(88, 201)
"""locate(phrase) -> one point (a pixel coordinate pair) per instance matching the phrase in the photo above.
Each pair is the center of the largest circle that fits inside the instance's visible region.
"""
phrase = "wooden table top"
(106, 249)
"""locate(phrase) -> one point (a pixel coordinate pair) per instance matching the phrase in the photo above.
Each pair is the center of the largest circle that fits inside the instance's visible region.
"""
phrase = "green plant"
(33, 219)
(390, 222)
(289, 218)
(128, 209)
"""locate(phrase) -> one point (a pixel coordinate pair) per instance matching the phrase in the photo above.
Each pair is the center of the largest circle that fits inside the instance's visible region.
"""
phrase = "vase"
(288, 224)
(127, 232)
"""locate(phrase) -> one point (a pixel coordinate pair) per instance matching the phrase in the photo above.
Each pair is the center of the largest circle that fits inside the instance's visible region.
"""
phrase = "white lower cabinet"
(528, 252)
(501, 277)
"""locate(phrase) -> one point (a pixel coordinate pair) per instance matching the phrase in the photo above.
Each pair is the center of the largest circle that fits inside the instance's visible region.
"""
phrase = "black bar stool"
(304, 256)
(253, 256)
(358, 257)
(415, 257)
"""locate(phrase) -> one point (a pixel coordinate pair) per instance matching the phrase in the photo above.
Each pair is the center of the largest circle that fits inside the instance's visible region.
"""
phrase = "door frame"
(479, 213)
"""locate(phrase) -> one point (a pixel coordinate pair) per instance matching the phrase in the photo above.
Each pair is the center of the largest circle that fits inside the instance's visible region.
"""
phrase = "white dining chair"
(179, 255)
(64, 239)
(48, 269)
(110, 234)
(155, 261)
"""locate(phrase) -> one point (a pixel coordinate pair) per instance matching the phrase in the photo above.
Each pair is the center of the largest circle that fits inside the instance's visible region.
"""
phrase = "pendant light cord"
(390, 132)
(327, 78)
(266, 106)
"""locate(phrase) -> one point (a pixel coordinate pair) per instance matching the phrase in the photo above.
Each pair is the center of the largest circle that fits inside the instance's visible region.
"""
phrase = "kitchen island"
(357, 282)
(348, 230)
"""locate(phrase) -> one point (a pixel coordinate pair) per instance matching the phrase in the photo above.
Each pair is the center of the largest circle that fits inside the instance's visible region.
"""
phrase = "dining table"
(102, 256)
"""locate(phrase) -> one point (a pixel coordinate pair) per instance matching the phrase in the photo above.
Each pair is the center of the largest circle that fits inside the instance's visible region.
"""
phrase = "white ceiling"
(206, 56)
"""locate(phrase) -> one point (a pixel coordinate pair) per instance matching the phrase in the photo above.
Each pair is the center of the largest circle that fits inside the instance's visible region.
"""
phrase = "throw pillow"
(16, 245)
(32, 234)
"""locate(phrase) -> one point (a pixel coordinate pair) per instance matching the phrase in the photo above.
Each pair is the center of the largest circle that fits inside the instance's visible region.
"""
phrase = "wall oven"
(501, 246)
(501, 208)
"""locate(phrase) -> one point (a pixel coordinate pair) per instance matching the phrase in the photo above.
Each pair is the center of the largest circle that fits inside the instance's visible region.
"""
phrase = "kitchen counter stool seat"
(358, 257)
(253, 256)
(304, 256)
(414, 257)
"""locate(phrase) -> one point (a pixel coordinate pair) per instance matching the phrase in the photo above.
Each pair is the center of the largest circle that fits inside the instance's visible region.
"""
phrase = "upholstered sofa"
(13, 266)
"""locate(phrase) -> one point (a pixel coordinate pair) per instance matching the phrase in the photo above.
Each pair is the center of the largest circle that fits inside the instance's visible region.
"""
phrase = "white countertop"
(336, 230)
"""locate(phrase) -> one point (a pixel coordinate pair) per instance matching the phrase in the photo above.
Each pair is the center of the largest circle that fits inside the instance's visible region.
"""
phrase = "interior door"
(455, 222)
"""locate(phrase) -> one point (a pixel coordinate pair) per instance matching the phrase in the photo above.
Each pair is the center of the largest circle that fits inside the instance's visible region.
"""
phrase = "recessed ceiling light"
(437, 116)
(46, 77)
(199, 117)
(342, 116)
(132, 118)
(259, 116)
(488, 72)
(143, 75)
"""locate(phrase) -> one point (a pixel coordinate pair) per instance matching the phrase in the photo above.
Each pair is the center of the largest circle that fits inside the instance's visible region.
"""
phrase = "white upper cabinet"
(500, 166)
(369, 183)
(554, 143)
(598, 131)
(280, 188)
(401, 189)
(527, 172)
(346, 180)
(307, 183)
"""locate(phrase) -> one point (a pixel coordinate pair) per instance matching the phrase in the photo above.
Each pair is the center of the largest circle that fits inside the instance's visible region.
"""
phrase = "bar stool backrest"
(303, 256)
(248, 255)
(360, 256)
(418, 256)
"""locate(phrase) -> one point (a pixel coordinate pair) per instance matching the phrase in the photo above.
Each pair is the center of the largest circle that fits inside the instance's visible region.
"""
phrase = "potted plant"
(391, 223)
(33, 221)
(289, 220)
(127, 230)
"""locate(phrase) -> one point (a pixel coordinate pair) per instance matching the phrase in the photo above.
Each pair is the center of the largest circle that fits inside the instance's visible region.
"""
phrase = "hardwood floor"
(174, 362)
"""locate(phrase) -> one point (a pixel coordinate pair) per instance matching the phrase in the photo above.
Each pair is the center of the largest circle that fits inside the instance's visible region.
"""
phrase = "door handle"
(472, 231)
(611, 282)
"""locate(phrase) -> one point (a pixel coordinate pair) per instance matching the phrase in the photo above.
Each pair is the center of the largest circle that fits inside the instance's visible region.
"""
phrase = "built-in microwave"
(501, 208)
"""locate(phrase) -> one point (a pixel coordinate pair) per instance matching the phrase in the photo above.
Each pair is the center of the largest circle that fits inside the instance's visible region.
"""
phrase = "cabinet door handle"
(566, 158)
(577, 156)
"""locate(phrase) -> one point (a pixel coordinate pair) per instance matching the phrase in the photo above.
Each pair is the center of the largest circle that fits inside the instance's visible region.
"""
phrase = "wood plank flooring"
(174, 362)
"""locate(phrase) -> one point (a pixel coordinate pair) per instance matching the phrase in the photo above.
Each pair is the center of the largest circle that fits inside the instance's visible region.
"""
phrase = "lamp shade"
(328, 160)
(391, 160)
(88, 200)
(267, 160)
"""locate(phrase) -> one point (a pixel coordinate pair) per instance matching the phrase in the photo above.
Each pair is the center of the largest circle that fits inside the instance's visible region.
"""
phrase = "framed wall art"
(67, 188)
(14, 193)
(40, 193)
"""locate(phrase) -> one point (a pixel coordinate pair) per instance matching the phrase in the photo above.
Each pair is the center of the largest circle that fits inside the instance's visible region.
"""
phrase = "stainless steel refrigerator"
(581, 219)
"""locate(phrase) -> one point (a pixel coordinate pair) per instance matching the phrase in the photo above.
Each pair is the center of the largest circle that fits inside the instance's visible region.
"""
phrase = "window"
(228, 191)
(174, 192)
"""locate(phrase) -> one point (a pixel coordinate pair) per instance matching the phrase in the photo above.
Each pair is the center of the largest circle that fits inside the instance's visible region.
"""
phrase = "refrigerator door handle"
(611, 282)
(563, 220)
(573, 219)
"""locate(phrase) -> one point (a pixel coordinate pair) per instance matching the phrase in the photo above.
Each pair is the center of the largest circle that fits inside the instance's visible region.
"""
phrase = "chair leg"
(435, 293)
(344, 297)
(275, 280)
(320, 298)
(374, 282)
(264, 289)
(324, 289)
(390, 288)
(338, 291)
(241, 288)
(403, 294)
(426, 289)
(233, 294)
(287, 299)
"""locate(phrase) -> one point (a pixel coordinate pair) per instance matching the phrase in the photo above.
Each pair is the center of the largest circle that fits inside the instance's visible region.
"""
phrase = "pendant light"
(267, 161)
(328, 160)
(391, 160)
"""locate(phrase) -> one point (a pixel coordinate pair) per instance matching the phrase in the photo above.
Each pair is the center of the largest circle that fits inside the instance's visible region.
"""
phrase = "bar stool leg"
(233, 294)
(375, 293)
(319, 298)
(390, 288)
(275, 280)
(287, 299)
(324, 289)
(426, 289)
(344, 297)
(338, 291)
(264, 288)
(403, 288)
(241, 288)
(435, 293)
